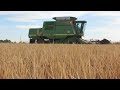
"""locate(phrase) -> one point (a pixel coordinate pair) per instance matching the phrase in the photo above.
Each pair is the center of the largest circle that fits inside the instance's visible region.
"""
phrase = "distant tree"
(104, 41)
(5, 41)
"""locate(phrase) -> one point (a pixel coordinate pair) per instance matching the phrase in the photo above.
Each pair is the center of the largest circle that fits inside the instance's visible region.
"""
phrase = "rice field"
(59, 61)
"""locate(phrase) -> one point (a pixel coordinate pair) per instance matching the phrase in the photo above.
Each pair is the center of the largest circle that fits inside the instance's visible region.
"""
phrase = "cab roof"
(65, 18)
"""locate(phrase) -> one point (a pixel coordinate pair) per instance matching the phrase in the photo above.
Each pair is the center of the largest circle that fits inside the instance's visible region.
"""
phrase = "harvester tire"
(40, 41)
(32, 40)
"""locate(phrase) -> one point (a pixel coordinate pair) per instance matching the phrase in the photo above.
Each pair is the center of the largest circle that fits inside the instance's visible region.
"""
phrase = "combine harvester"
(63, 30)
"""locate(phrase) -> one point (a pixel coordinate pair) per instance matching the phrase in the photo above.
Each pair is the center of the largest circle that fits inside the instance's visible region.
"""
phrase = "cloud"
(108, 32)
(33, 16)
(106, 13)
(115, 21)
(27, 26)
(10, 12)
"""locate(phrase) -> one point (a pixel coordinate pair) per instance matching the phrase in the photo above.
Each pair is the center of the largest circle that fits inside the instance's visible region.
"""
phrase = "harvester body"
(62, 30)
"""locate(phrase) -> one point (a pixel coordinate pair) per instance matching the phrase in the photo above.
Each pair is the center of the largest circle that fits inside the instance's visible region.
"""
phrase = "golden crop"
(52, 61)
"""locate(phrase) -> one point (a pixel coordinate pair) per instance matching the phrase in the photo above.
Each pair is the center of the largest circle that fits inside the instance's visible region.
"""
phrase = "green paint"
(62, 28)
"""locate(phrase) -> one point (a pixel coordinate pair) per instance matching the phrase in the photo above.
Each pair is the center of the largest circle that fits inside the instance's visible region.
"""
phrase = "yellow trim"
(57, 34)
(32, 35)
(52, 34)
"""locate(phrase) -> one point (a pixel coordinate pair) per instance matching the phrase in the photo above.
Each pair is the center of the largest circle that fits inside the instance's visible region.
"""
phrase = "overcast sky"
(100, 24)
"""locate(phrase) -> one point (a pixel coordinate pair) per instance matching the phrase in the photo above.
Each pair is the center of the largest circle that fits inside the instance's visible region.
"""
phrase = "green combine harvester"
(64, 30)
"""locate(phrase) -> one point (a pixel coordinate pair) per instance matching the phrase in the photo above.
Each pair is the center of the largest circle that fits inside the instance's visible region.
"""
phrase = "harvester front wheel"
(32, 40)
(40, 41)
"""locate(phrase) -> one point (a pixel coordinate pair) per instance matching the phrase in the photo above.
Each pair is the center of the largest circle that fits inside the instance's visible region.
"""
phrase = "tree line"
(6, 41)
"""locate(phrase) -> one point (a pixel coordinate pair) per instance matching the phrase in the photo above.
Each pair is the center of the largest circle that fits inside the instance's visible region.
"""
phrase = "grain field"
(50, 61)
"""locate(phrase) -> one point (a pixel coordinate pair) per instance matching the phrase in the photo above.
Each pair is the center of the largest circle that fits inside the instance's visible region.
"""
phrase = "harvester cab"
(79, 26)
